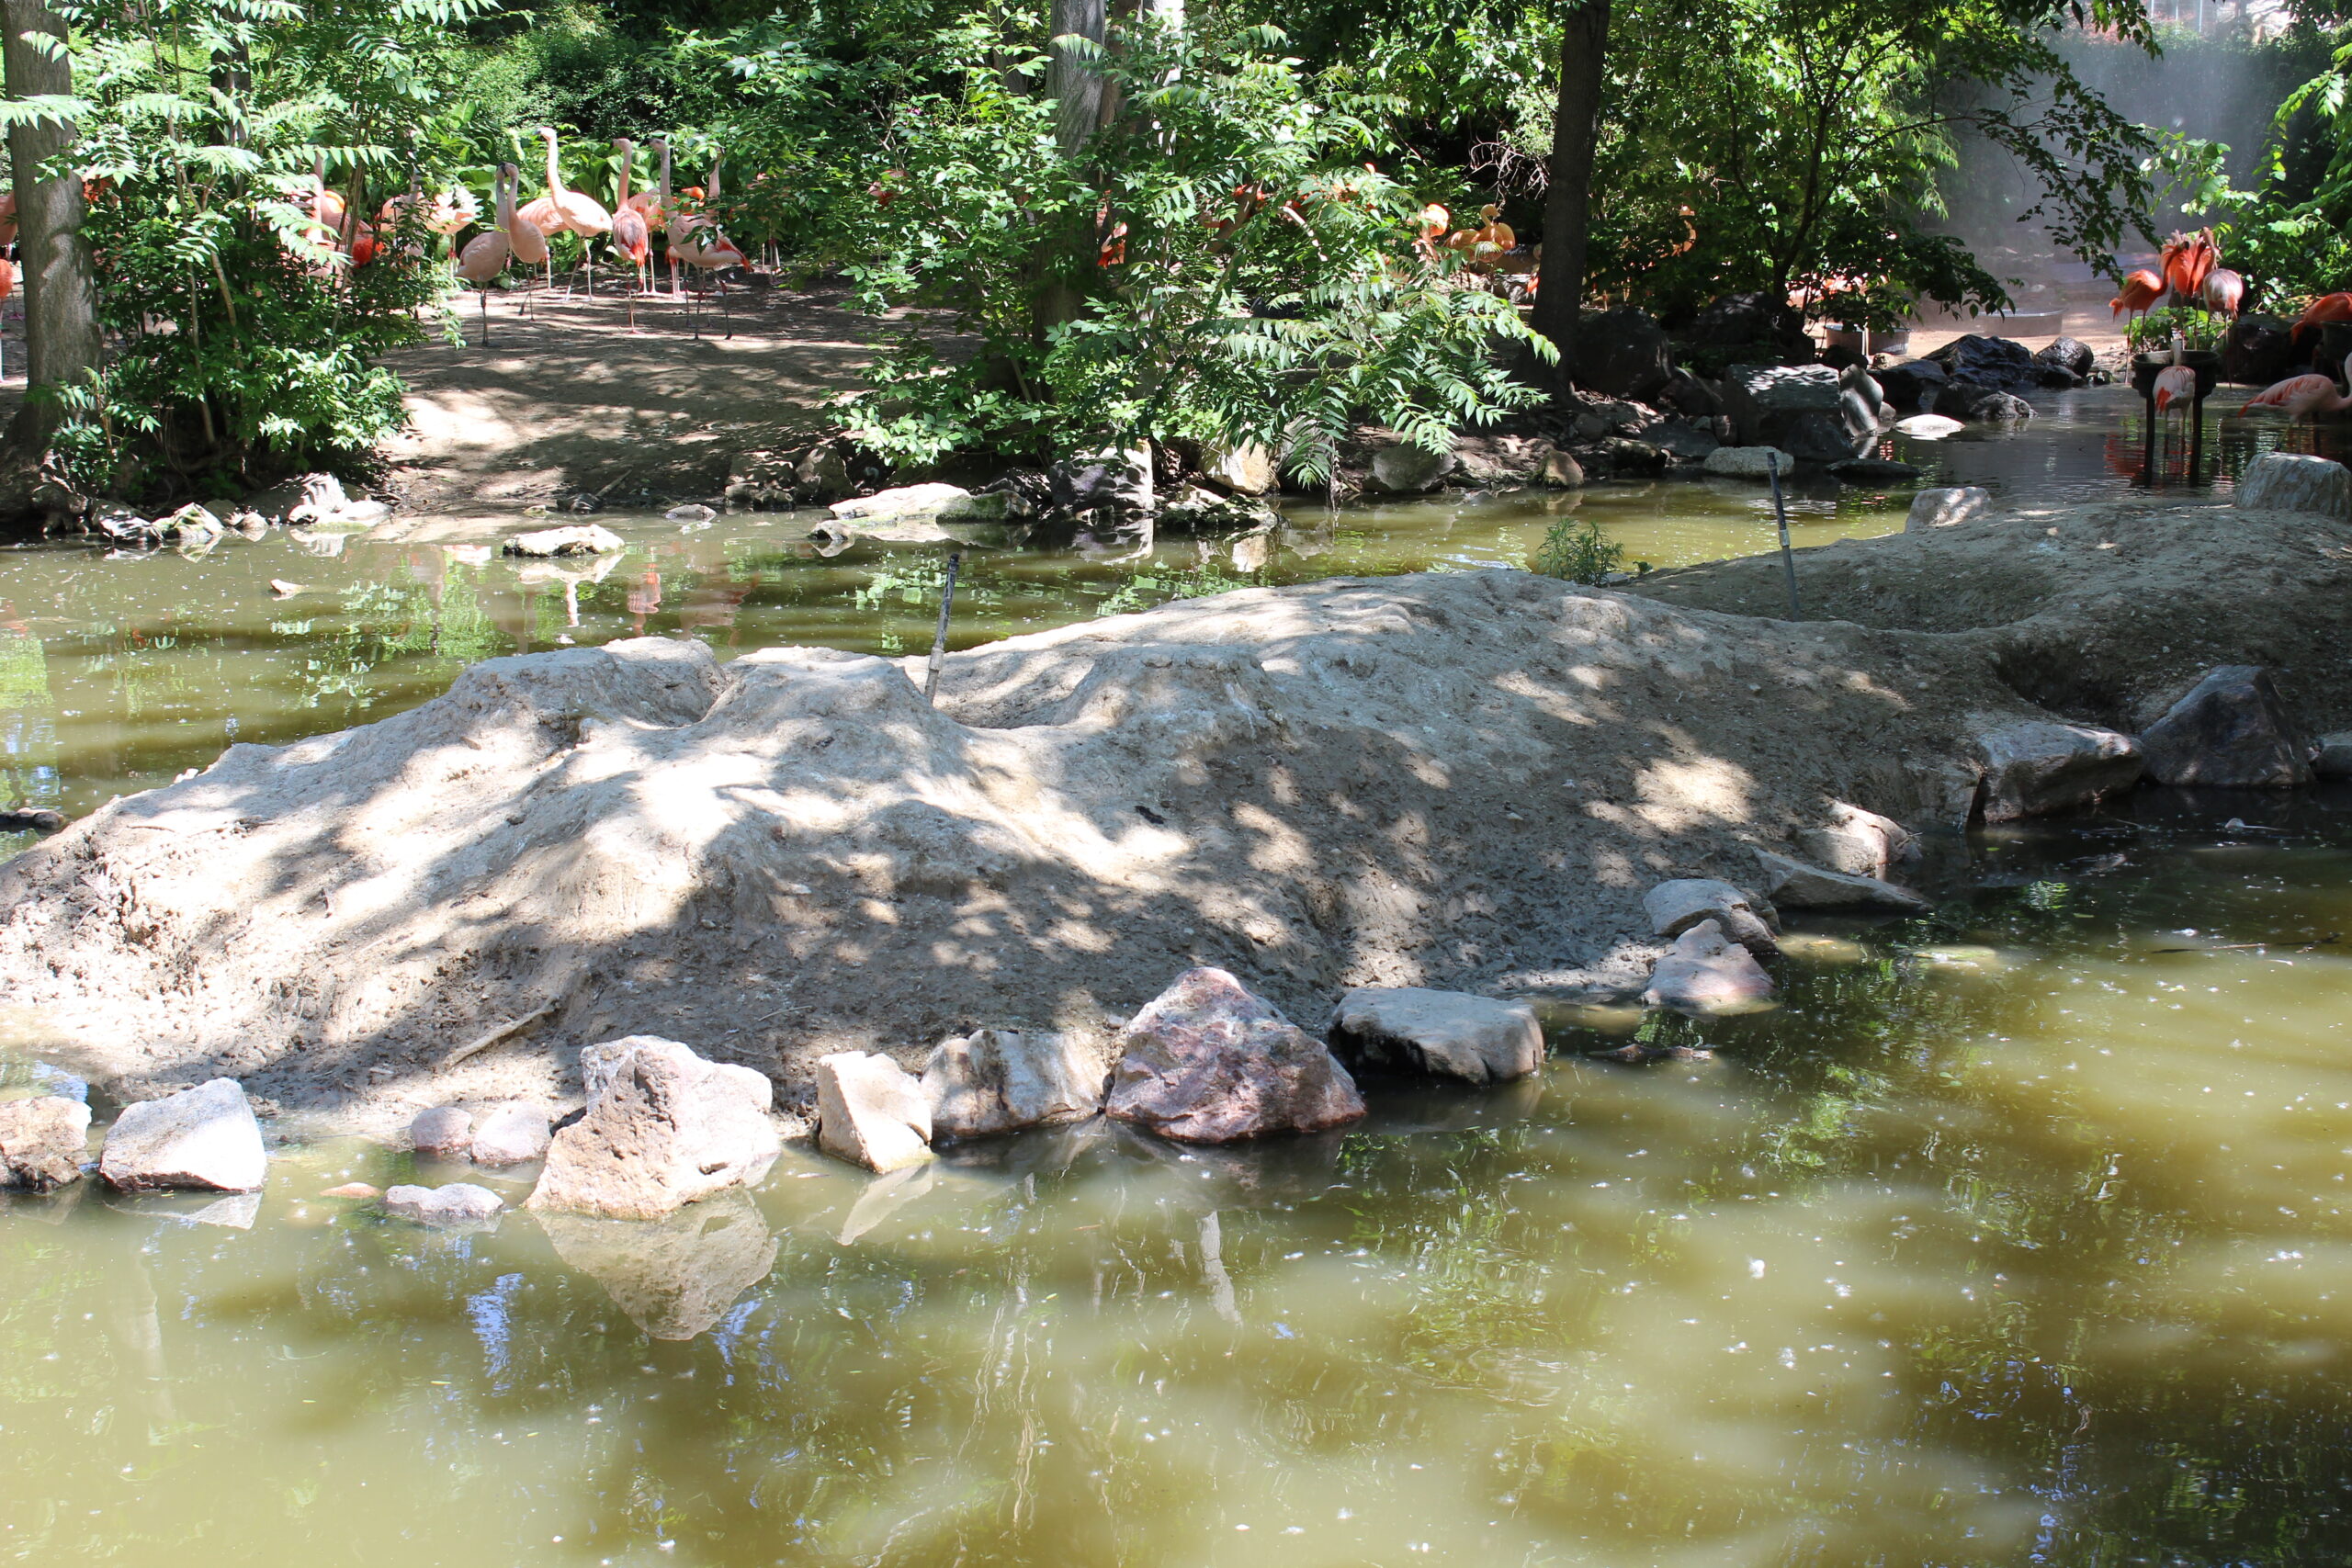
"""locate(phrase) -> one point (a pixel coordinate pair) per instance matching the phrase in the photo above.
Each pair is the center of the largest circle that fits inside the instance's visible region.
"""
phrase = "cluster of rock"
(309, 500)
(203, 1139)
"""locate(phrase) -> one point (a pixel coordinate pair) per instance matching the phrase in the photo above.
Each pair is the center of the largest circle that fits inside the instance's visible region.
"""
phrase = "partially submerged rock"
(1706, 973)
(2297, 482)
(203, 1139)
(458, 1203)
(1448, 1034)
(1675, 907)
(1947, 507)
(2231, 729)
(1794, 884)
(1206, 1062)
(1856, 841)
(2046, 766)
(42, 1141)
(1749, 462)
(579, 539)
(445, 1132)
(1929, 427)
(1406, 469)
(511, 1135)
(1000, 1080)
(1246, 469)
(1801, 409)
(667, 1128)
(2333, 759)
(904, 504)
(871, 1111)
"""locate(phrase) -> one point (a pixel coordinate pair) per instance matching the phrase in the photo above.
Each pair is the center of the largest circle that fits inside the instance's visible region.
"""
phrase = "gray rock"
(2232, 729)
(1708, 974)
(887, 508)
(1686, 441)
(822, 475)
(2074, 358)
(761, 480)
(42, 1141)
(1561, 471)
(1801, 409)
(358, 514)
(1446, 1034)
(1404, 469)
(191, 522)
(871, 1111)
(1748, 462)
(1794, 884)
(977, 510)
(203, 1138)
(512, 1134)
(1195, 506)
(579, 539)
(674, 1277)
(693, 512)
(1206, 1062)
(308, 498)
(2334, 758)
(1247, 468)
(2258, 350)
(2044, 765)
(1946, 508)
(1624, 354)
(1979, 404)
(1912, 384)
(2296, 481)
(443, 1132)
(667, 1128)
(1989, 361)
(1675, 907)
(997, 1080)
(1095, 481)
(458, 1203)
(1858, 842)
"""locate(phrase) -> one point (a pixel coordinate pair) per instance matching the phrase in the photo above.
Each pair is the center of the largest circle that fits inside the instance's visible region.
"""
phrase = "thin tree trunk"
(1076, 86)
(1568, 202)
(61, 292)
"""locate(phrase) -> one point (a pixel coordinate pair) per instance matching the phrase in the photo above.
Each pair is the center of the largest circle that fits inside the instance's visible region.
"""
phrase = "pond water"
(2018, 1236)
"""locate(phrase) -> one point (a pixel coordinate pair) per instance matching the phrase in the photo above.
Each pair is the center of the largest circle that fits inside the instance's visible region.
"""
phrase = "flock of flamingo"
(2188, 273)
(518, 233)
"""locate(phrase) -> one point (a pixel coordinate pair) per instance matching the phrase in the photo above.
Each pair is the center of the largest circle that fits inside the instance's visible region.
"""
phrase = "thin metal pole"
(939, 640)
(1781, 511)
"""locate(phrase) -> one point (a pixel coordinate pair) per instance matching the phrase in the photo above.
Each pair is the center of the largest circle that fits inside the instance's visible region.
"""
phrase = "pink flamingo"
(632, 235)
(2301, 397)
(2176, 383)
(2138, 294)
(487, 253)
(562, 211)
(2224, 291)
(697, 242)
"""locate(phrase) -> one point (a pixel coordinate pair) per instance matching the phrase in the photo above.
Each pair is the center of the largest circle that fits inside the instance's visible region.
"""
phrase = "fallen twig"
(503, 1031)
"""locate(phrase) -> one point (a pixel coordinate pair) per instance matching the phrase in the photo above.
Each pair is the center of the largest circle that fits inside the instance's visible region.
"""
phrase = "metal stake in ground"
(1781, 511)
(939, 639)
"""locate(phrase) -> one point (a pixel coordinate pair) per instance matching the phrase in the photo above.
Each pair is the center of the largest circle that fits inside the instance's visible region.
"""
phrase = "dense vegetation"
(1160, 224)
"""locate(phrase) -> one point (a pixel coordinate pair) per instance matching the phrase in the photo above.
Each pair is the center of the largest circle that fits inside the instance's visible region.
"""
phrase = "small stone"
(1207, 1062)
(1928, 426)
(2044, 765)
(458, 1203)
(512, 1134)
(1946, 508)
(1748, 462)
(1707, 974)
(579, 539)
(443, 1132)
(353, 1189)
(1444, 1033)
(1858, 842)
(870, 1111)
(203, 1138)
(1794, 884)
(1675, 907)
(2334, 758)
(2231, 730)
(1406, 469)
(42, 1141)
(998, 1080)
(2296, 481)
(663, 1128)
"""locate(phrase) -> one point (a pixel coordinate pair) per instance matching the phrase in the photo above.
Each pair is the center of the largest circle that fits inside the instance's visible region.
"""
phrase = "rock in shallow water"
(446, 1132)
(1796, 886)
(1707, 974)
(1447, 1034)
(203, 1138)
(458, 1203)
(583, 539)
(512, 1134)
(2231, 729)
(674, 1277)
(42, 1141)
(667, 1128)
(1206, 1062)
(2296, 481)
(2048, 765)
(870, 1111)
(997, 1080)
(1675, 907)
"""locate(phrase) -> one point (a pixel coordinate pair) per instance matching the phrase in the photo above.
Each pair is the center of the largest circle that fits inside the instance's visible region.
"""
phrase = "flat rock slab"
(1206, 1062)
(458, 1203)
(1675, 907)
(668, 1128)
(582, 539)
(2296, 481)
(1707, 975)
(1000, 1080)
(203, 1139)
(2231, 730)
(42, 1141)
(1748, 462)
(1794, 884)
(1448, 1034)
(871, 1111)
(2042, 766)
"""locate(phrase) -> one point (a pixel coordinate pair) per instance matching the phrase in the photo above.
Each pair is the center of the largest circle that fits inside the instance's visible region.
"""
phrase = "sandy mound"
(1460, 780)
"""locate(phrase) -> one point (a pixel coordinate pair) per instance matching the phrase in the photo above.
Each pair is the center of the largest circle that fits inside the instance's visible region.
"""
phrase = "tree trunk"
(1076, 86)
(1567, 201)
(61, 293)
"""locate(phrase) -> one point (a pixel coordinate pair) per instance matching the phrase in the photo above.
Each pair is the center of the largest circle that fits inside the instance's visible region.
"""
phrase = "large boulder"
(871, 1111)
(1975, 403)
(1446, 1034)
(1707, 974)
(2068, 354)
(1406, 469)
(42, 1141)
(2046, 766)
(1794, 884)
(203, 1139)
(1206, 1062)
(1119, 481)
(2231, 729)
(579, 539)
(1911, 387)
(906, 506)
(2296, 481)
(1675, 907)
(664, 1127)
(1946, 507)
(2258, 350)
(2333, 759)
(1624, 354)
(458, 1203)
(1243, 468)
(1856, 841)
(444, 1132)
(1000, 1080)
(1801, 409)
(2000, 363)
(674, 1277)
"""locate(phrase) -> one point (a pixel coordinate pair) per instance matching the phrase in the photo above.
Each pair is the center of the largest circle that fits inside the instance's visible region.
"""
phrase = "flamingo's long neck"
(555, 179)
(629, 155)
(716, 155)
(665, 178)
(504, 198)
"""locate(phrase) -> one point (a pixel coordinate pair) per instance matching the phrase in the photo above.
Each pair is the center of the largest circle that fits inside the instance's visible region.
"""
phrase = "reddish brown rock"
(1205, 1061)
(666, 1128)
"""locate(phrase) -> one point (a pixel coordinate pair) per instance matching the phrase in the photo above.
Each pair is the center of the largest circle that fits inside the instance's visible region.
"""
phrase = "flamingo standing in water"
(2301, 397)
(632, 235)
(563, 211)
(487, 253)
(2176, 383)
(2138, 293)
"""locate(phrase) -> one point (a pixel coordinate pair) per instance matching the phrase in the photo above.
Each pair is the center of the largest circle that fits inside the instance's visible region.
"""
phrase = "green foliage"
(2153, 331)
(1217, 264)
(2289, 232)
(1577, 551)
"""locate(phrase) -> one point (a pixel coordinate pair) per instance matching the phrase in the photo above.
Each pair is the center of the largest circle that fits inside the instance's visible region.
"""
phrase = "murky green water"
(2017, 1237)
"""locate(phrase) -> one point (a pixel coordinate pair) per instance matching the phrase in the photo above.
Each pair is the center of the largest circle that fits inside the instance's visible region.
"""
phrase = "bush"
(1577, 552)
